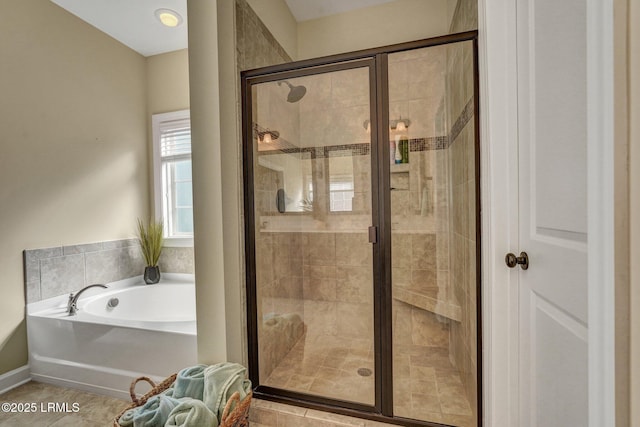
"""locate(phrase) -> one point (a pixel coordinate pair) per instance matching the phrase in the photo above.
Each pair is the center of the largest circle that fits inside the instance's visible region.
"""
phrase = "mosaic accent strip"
(427, 144)
(364, 149)
(281, 145)
(342, 150)
(463, 119)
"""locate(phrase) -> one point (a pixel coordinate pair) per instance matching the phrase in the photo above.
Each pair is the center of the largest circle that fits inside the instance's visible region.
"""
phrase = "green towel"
(220, 382)
(155, 412)
(126, 419)
(191, 413)
(189, 382)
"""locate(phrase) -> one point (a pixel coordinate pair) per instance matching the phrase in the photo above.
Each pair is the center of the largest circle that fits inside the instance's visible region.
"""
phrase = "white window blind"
(172, 148)
(175, 139)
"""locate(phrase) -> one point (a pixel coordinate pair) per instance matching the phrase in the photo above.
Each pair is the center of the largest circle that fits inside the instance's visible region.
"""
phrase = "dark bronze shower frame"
(376, 60)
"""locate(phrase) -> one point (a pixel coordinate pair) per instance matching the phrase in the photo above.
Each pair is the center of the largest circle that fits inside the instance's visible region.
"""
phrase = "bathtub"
(150, 332)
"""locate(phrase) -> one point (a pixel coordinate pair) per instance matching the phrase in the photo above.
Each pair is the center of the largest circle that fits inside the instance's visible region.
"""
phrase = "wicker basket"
(231, 417)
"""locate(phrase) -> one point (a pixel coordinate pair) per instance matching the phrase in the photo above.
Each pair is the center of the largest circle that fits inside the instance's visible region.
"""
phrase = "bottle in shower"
(393, 148)
(404, 143)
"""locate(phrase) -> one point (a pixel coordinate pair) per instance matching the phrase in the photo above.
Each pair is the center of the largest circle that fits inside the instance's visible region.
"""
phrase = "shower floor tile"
(428, 387)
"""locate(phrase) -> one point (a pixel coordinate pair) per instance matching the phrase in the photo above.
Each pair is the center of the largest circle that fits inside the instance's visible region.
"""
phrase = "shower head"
(295, 92)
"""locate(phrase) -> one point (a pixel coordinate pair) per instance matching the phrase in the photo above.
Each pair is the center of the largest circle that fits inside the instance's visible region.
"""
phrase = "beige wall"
(389, 23)
(168, 82)
(278, 18)
(73, 151)
(633, 75)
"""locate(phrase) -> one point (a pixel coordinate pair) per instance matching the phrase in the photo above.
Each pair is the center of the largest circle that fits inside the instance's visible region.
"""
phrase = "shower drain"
(364, 372)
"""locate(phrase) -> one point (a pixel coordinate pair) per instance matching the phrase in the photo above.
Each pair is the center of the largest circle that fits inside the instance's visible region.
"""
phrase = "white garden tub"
(150, 332)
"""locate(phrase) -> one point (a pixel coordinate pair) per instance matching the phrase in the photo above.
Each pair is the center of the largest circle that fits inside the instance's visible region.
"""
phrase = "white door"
(552, 144)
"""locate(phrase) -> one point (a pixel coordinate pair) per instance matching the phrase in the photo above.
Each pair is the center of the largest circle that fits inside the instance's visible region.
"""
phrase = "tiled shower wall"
(460, 102)
(256, 47)
(463, 256)
(321, 282)
(334, 285)
(420, 253)
(326, 278)
(55, 271)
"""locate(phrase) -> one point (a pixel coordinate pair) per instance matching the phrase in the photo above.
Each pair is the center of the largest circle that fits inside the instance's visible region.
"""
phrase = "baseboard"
(77, 385)
(14, 378)
(86, 377)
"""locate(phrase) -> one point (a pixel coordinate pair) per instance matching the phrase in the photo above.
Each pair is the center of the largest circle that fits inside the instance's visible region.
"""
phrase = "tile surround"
(50, 272)
(436, 369)
(462, 232)
(279, 276)
(326, 259)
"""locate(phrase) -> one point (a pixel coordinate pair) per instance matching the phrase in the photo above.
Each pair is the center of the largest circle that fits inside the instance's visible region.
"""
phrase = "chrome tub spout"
(72, 304)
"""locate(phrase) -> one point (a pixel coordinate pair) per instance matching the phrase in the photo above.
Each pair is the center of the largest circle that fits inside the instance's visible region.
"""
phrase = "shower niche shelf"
(400, 168)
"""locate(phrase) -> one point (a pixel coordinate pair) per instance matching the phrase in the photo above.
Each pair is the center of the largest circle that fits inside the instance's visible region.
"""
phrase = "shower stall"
(362, 232)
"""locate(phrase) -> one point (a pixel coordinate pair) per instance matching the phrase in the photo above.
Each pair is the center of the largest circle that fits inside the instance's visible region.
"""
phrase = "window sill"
(178, 242)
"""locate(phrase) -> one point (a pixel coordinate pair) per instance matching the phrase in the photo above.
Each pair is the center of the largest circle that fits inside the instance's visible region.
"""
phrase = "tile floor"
(327, 366)
(97, 411)
(427, 386)
(94, 410)
(271, 414)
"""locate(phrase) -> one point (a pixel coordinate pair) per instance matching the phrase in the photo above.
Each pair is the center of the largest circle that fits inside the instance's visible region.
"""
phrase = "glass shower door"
(434, 217)
(311, 207)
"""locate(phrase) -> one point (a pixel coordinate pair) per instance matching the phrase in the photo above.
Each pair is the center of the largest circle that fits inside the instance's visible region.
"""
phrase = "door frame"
(499, 159)
(382, 409)
(290, 71)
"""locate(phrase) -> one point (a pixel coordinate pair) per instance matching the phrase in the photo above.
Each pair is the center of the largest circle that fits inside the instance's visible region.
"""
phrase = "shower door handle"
(373, 234)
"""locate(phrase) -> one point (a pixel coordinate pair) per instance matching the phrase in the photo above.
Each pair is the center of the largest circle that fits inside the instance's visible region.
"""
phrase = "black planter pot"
(151, 275)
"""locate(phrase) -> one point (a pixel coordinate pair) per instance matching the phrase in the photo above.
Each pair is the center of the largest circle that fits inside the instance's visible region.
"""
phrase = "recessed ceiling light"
(168, 17)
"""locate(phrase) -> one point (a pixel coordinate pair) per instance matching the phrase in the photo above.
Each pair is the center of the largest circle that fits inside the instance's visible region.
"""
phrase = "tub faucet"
(73, 299)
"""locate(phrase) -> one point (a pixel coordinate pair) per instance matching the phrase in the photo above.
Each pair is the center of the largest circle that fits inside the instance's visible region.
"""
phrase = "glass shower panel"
(312, 201)
(433, 221)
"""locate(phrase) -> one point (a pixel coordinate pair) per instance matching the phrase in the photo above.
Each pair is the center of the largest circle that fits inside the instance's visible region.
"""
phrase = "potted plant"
(151, 240)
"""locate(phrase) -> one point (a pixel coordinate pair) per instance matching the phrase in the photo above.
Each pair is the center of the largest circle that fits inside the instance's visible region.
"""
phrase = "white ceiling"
(134, 24)
(304, 10)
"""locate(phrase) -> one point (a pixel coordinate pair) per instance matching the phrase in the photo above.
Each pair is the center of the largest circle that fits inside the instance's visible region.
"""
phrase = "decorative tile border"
(364, 149)
(463, 119)
(427, 144)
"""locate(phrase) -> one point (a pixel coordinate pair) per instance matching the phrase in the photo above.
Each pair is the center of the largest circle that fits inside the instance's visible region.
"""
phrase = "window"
(172, 174)
(341, 193)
